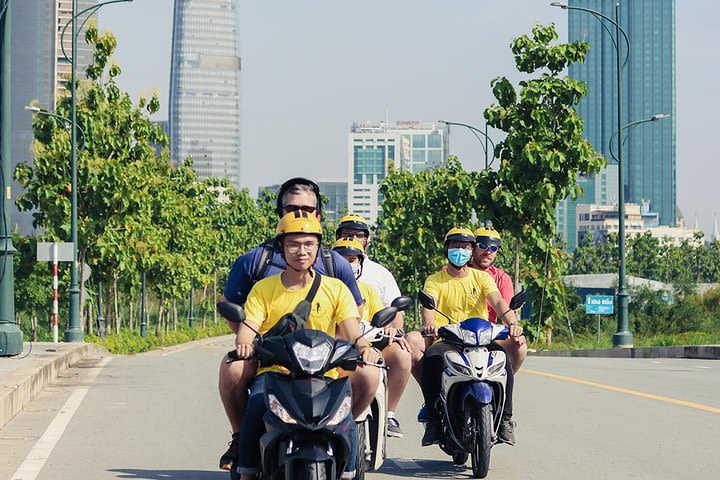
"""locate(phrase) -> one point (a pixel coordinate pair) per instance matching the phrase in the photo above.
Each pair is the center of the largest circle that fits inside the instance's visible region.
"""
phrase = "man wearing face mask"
(460, 292)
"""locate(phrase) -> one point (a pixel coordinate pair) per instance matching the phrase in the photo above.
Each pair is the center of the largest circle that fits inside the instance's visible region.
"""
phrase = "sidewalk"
(24, 376)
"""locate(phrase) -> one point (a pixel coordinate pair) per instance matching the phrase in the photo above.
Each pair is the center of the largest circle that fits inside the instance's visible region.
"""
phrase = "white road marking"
(702, 366)
(37, 457)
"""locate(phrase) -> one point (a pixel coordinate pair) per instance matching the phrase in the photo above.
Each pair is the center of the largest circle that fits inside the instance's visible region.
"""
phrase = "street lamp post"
(74, 332)
(475, 132)
(622, 337)
(11, 342)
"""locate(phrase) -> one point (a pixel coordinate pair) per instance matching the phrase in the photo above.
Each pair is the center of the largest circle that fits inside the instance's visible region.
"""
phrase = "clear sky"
(311, 68)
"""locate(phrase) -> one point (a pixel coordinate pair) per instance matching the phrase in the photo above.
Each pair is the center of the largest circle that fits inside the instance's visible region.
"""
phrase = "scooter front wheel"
(312, 471)
(361, 464)
(481, 421)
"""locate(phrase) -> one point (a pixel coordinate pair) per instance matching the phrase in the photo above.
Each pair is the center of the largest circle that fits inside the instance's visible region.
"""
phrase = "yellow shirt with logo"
(371, 300)
(269, 300)
(460, 298)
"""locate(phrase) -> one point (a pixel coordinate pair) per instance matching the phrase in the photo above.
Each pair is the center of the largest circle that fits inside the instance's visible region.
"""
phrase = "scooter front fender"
(480, 391)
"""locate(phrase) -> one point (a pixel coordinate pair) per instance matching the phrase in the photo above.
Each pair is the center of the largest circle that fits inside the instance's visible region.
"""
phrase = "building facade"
(39, 73)
(205, 88)
(648, 88)
(603, 220)
(336, 191)
(410, 145)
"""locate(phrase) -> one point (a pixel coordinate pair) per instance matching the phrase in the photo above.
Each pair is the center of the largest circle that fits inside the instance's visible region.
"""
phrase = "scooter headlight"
(484, 337)
(311, 360)
(342, 412)
(461, 368)
(279, 411)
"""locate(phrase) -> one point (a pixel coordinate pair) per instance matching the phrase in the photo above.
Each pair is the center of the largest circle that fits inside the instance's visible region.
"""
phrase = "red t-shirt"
(504, 284)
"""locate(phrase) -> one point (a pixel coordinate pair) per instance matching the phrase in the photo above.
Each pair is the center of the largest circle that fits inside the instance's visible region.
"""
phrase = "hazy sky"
(311, 68)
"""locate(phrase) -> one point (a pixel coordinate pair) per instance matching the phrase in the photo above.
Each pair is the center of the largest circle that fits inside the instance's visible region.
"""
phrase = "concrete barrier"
(21, 385)
(698, 352)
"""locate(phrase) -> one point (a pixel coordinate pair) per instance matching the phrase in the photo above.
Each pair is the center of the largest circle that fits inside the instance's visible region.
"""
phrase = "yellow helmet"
(352, 221)
(299, 222)
(459, 234)
(345, 246)
(488, 236)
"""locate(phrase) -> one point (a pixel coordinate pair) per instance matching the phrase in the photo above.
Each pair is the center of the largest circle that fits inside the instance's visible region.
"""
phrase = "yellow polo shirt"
(460, 298)
(269, 300)
(372, 302)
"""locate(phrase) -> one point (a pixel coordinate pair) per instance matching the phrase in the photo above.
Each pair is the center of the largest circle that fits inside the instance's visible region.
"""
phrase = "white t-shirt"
(381, 278)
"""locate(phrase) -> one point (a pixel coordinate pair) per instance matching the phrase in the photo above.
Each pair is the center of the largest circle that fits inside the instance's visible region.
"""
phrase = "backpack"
(266, 261)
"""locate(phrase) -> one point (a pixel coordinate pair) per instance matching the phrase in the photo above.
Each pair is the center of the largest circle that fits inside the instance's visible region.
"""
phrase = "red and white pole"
(55, 292)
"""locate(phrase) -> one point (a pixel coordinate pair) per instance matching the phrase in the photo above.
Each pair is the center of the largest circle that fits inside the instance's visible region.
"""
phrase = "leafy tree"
(541, 157)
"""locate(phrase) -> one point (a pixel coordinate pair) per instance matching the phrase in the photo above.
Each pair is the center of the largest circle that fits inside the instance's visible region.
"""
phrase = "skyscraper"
(39, 72)
(204, 88)
(648, 88)
(409, 145)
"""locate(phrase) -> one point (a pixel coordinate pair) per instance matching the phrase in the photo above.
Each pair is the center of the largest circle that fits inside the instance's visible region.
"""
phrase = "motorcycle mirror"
(383, 317)
(402, 303)
(426, 300)
(231, 311)
(518, 300)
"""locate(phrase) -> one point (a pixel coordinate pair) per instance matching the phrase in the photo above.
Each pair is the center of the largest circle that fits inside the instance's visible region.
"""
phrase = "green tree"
(541, 157)
(417, 210)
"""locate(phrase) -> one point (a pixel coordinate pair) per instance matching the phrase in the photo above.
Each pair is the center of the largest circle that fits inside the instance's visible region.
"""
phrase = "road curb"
(24, 384)
(697, 352)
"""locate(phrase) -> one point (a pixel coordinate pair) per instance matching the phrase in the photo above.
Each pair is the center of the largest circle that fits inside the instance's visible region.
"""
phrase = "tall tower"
(648, 85)
(204, 88)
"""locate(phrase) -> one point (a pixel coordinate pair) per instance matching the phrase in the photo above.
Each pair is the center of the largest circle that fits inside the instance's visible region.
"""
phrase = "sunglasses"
(295, 208)
(350, 236)
(492, 248)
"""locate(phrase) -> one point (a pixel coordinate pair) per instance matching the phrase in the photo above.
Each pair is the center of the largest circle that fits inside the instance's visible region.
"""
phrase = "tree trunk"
(81, 259)
(117, 309)
(89, 306)
(517, 265)
(33, 323)
(158, 324)
(130, 315)
(202, 302)
(175, 316)
(214, 297)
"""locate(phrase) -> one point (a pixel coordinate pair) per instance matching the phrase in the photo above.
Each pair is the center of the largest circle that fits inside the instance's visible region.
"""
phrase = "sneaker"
(506, 431)
(423, 414)
(432, 433)
(228, 458)
(393, 426)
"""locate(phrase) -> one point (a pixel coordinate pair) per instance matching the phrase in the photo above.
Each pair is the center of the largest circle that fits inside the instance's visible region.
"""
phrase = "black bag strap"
(314, 288)
(264, 261)
(328, 260)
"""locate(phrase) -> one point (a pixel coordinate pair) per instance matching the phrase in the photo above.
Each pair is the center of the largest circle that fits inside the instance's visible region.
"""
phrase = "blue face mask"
(459, 257)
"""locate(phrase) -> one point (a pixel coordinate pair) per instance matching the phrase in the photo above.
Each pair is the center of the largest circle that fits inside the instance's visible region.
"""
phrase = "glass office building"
(205, 88)
(648, 88)
(409, 145)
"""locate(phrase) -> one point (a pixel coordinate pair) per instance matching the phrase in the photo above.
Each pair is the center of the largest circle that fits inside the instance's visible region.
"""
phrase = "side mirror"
(383, 317)
(231, 311)
(402, 303)
(518, 300)
(426, 300)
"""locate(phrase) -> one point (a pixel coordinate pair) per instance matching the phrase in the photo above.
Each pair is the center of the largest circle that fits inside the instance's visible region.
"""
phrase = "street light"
(65, 120)
(622, 337)
(74, 332)
(475, 132)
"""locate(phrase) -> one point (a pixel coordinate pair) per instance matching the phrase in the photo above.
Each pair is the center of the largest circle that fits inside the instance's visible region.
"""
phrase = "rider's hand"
(515, 330)
(430, 329)
(369, 355)
(391, 332)
(245, 350)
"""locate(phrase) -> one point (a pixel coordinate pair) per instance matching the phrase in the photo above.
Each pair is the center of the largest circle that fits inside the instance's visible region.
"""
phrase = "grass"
(130, 341)
(589, 342)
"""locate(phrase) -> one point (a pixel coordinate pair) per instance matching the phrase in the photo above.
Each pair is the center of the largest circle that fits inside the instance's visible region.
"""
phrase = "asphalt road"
(157, 416)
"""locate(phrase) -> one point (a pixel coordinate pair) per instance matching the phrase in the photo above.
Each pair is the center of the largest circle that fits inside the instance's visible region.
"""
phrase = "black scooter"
(309, 415)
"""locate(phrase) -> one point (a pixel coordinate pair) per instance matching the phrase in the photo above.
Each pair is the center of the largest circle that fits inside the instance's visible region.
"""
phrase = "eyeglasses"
(351, 235)
(492, 248)
(294, 247)
(295, 208)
